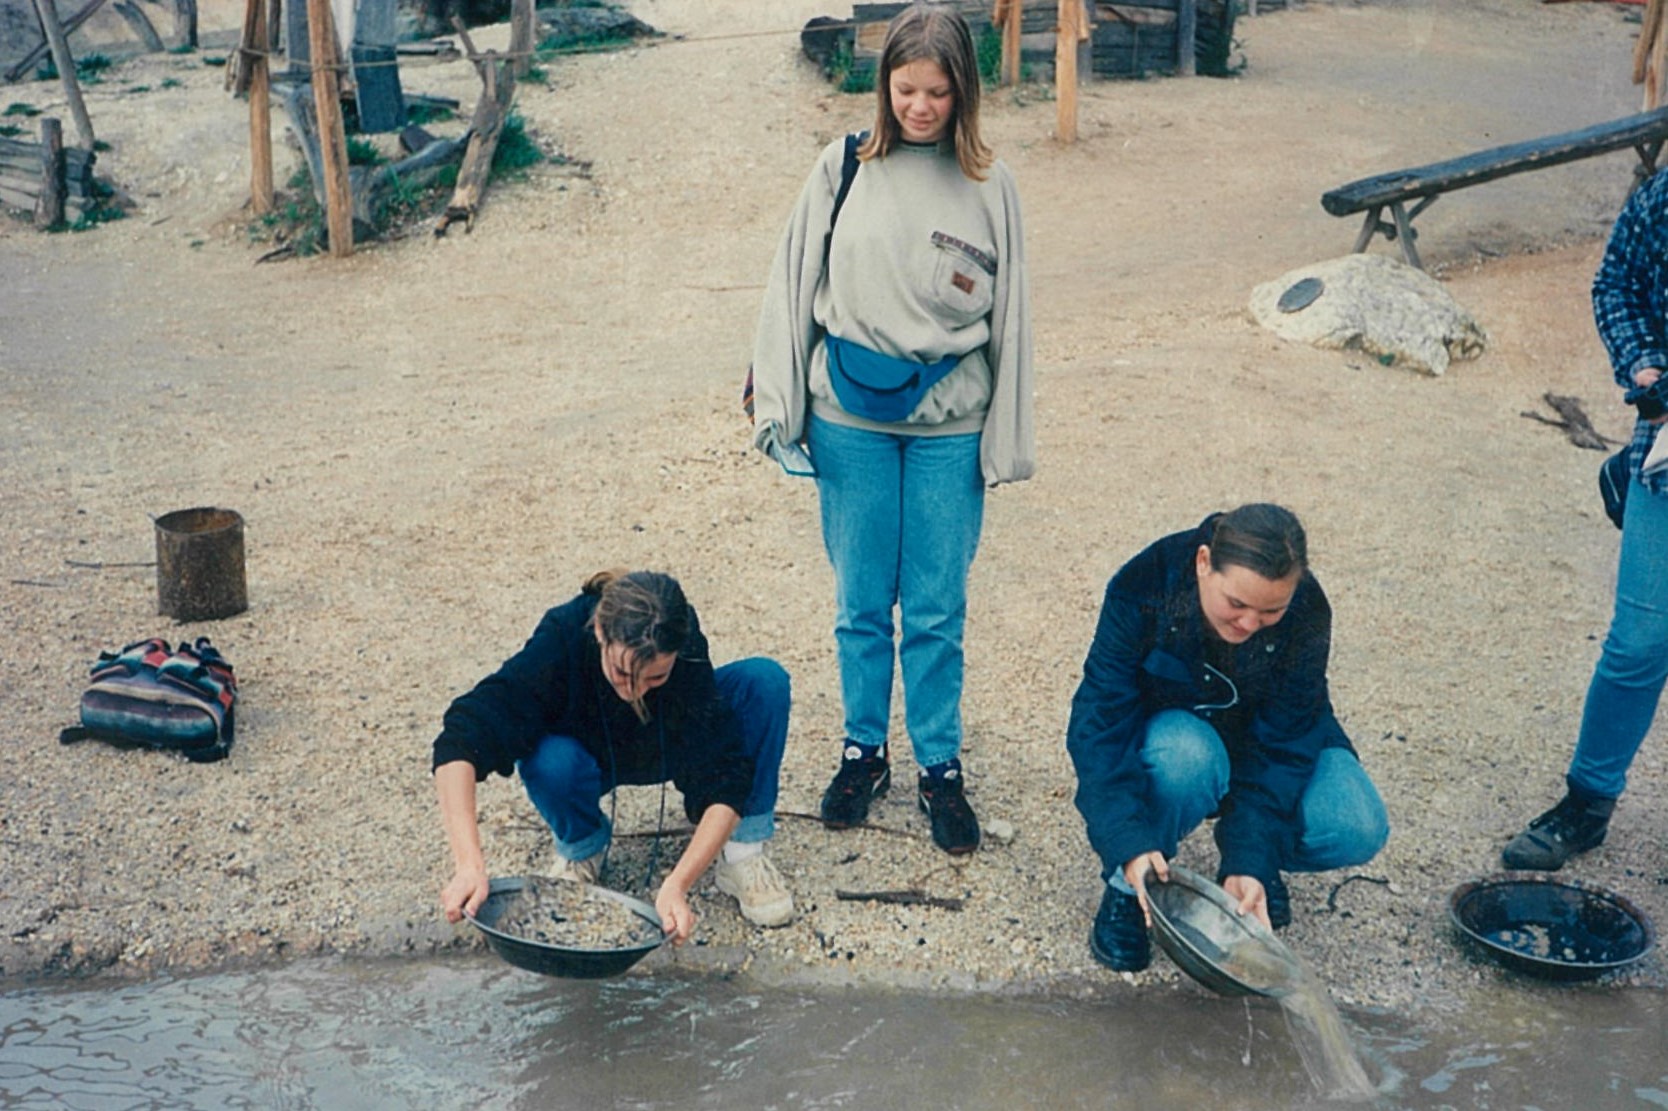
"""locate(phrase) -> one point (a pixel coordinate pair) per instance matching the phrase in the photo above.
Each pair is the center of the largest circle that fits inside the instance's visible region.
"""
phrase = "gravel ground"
(435, 440)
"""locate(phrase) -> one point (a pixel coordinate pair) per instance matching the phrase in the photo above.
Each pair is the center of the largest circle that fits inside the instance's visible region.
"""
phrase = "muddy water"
(470, 1032)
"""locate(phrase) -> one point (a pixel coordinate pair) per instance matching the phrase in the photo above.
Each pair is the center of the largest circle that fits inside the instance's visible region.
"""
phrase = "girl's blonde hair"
(934, 33)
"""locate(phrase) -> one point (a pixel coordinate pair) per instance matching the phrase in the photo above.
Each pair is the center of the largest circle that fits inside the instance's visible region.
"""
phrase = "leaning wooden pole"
(65, 62)
(327, 102)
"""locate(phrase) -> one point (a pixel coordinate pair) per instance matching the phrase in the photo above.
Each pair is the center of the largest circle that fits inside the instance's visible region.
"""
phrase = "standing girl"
(895, 344)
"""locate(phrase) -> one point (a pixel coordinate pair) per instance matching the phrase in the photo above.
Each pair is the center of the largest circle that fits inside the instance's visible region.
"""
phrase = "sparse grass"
(7, 130)
(847, 74)
(18, 108)
(170, 83)
(363, 152)
(135, 90)
(516, 150)
(421, 114)
(182, 48)
(91, 68)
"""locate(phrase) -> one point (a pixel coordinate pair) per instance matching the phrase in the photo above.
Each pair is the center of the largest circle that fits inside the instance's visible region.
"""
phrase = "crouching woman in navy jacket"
(1204, 694)
(615, 687)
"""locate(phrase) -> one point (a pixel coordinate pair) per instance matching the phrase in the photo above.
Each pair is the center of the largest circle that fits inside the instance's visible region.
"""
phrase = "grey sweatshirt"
(925, 263)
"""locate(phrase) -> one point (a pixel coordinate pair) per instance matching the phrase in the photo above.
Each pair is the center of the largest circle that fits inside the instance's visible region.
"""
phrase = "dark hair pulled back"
(645, 612)
(1260, 537)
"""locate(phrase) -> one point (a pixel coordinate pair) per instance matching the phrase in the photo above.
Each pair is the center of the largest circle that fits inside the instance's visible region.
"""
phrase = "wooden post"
(65, 62)
(260, 109)
(1187, 33)
(1655, 75)
(521, 35)
(185, 23)
(141, 24)
(49, 205)
(1007, 16)
(1071, 30)
(327, 101)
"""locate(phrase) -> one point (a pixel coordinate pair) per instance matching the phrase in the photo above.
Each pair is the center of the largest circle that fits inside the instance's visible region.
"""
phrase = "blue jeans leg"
(1343, 820)
(758, 693)
(1627, 683)
(943, 513)
(1187, 775)
(566, 784)
(901, 517)
(860, 490)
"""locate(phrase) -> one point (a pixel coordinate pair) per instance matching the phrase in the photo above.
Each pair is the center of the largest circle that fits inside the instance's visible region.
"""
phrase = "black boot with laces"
(1578, 823)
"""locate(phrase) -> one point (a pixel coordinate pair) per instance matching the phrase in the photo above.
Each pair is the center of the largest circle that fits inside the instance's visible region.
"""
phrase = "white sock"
(737, 851)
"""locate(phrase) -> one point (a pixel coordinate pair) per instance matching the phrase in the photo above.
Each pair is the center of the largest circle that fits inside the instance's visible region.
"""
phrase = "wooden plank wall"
(1131, 38)
(20, 177)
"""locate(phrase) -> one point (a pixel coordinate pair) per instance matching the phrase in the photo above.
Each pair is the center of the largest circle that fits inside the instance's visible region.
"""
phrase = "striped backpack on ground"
(149, 695)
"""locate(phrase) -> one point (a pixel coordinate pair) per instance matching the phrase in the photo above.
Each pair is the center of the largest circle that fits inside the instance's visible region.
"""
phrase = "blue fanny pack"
(880, 387)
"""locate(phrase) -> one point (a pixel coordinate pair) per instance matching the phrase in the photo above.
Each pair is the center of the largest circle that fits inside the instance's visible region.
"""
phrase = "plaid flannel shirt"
(1630, 304)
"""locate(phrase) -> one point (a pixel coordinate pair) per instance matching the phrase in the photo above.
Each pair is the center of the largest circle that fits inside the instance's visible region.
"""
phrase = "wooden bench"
(1422, 185)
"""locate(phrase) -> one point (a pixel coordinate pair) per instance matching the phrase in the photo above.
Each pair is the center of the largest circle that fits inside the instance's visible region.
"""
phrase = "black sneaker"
(1119, 937)
(954, 828)
(1578, 823)
(860, 780)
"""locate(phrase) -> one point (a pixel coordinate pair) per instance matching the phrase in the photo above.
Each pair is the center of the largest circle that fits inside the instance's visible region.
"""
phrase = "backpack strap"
(848, 171)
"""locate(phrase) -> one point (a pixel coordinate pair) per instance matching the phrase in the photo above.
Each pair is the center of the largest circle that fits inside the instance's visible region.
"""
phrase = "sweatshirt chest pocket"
(963, 280)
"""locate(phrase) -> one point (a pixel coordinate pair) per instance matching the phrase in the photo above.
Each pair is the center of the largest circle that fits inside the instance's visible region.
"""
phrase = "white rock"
(1378, 305)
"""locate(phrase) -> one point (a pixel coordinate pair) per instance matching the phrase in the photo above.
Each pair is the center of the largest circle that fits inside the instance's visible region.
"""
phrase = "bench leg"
(1404, 234)
(1368, 227)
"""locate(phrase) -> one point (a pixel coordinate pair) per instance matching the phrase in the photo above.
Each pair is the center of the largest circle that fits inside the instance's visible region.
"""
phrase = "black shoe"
(1276, 898)
(954, 828)
(1119, 937)
(860, 780)
(1578, 823)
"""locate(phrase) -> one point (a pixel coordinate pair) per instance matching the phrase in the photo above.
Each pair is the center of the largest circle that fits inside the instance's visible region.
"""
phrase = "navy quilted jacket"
(1274, 714)
(555, 686)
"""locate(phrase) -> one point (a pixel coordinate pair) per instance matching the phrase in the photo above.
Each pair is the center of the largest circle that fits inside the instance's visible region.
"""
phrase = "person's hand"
(1248, 891)
(676, 919)
(1136, 871)
(1645, 378)
(466, 891)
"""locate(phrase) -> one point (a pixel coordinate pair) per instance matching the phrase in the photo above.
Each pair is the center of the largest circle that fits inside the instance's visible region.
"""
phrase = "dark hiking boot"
(954, 828)
(1578, 823)
(1119, 937)
(860, 780)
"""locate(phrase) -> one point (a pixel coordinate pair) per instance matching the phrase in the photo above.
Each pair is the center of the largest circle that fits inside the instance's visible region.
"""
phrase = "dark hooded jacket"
(555, 686)
(1269, 704)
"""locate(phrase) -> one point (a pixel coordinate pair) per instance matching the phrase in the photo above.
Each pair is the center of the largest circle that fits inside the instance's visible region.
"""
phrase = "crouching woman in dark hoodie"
(1204, 694)
(616, 687)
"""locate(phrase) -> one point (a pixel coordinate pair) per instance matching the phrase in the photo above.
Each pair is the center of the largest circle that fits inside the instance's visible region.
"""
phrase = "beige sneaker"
(577, 871)
(758, 887)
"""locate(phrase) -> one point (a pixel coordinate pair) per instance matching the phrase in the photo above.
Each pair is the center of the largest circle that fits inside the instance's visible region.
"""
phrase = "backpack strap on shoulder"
(848, 171)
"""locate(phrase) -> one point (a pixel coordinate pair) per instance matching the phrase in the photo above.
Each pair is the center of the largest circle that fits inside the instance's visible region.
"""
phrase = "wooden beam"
(521, 36)
(185, 23)
(1071, 29)
(49, 204)
(39, 49)
(327, 102)
(493, 107)
(65, 61)
(261, 192)
(1187, 32)
(141, 25)
(1009, 15)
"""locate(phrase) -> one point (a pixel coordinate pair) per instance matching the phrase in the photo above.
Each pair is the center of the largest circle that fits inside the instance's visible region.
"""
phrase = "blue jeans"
(566, 784)
(1342, 821)
(1627, 683)
(900, 520)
